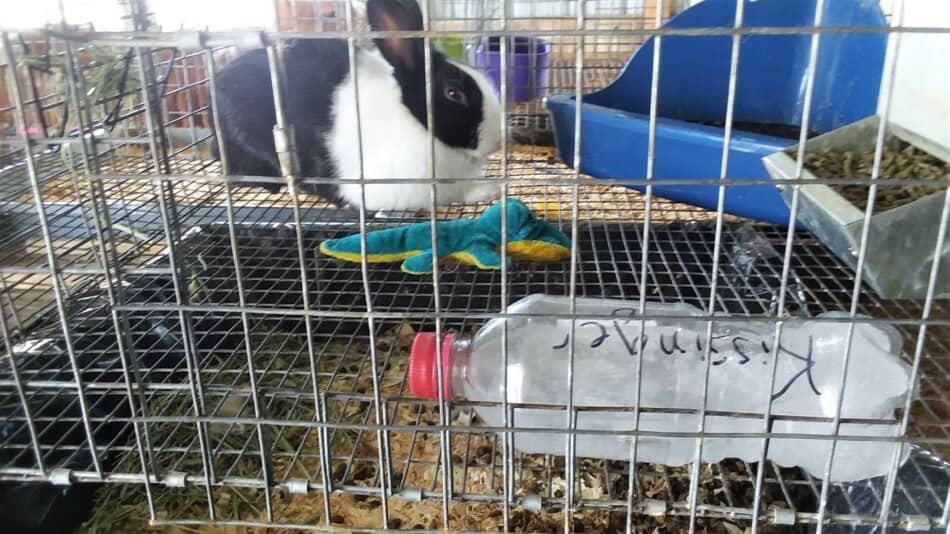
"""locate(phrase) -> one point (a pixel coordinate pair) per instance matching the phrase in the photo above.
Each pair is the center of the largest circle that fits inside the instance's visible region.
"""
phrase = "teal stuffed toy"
(471, 241)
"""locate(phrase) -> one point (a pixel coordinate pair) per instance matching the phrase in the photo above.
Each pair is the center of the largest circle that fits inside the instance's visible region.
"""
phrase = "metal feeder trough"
(901, 240)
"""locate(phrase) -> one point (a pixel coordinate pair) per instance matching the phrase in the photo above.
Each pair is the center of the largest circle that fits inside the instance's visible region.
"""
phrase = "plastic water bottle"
(804, 397)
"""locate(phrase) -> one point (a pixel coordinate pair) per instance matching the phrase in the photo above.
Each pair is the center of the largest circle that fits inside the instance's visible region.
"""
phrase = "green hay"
(103, 74)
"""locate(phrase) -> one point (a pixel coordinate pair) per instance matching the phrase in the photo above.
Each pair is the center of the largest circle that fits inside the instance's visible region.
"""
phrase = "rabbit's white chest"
(395, 146)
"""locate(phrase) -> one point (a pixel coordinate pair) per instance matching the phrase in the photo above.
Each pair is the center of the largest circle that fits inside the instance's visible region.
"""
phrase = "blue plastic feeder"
(693, 89)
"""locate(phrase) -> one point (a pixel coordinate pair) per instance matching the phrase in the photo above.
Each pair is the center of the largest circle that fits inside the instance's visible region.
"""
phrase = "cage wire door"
(179, 354)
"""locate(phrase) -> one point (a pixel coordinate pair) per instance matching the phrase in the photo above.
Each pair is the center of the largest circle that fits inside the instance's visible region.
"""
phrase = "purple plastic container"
(528, 61)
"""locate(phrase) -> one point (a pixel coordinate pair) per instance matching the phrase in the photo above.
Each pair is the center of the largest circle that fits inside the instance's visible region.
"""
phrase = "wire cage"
(179, 355)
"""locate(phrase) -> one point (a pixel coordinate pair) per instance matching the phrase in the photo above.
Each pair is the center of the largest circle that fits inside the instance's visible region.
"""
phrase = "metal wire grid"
(122, 148)
(125, 153)
(612, 272)
(606, 268)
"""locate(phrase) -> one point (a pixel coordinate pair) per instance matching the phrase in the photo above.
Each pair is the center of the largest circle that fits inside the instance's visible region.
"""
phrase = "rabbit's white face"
(393, 144)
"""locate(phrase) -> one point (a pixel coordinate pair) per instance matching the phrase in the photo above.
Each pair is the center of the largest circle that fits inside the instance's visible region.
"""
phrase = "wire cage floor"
(610, 239)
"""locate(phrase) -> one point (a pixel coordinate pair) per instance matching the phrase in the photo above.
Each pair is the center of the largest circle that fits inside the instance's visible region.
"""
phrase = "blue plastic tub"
(693, 88)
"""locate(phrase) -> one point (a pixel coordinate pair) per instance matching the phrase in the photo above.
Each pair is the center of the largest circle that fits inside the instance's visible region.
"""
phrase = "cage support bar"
(384, 467)
(169, 227)
(186, 39)
(289, 166)
(571, 421)
(714, 277)
(51, 258)
(887, 89)
(645, 255)
(263, 440)
(812, 74)
(101, 220)
(507, 444)
(343, 314)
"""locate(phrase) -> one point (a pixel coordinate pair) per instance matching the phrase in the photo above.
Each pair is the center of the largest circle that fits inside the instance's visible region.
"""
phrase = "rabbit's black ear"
(397, 15)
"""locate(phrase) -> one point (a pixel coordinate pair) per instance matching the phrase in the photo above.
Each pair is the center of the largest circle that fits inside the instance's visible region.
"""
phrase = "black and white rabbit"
(391, 80)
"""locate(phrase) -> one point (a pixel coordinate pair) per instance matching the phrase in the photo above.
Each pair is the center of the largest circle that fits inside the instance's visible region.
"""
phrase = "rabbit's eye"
(454, 94)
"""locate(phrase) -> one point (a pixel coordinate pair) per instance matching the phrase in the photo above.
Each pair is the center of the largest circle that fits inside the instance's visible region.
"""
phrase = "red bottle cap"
(423, 381)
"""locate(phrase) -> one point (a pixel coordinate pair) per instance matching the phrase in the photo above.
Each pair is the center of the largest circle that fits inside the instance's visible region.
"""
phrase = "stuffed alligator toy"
(471, 241)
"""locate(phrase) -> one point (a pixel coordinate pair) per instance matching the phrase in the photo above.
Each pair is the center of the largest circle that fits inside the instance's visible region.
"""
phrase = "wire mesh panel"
(181, 353)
